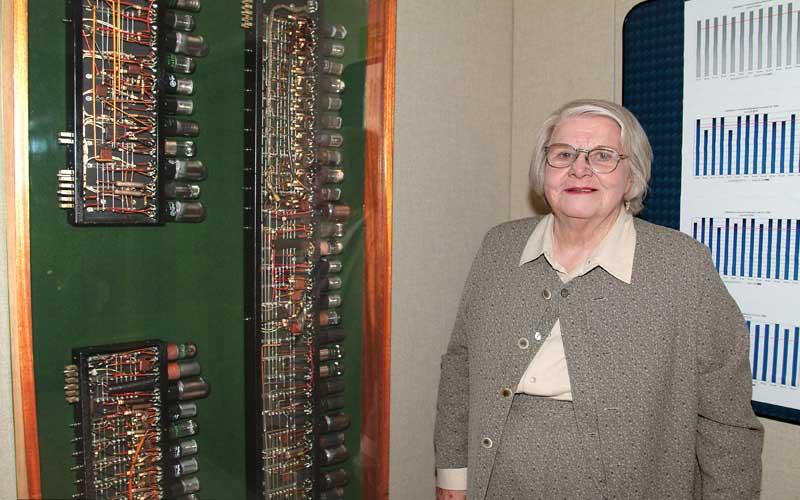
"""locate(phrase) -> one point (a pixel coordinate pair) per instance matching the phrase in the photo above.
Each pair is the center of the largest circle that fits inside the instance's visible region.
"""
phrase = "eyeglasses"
(601, 160)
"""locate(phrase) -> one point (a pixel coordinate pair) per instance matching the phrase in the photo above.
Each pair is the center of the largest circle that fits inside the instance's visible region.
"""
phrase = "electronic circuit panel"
(133, 414)
(294, 224)
(128, 107)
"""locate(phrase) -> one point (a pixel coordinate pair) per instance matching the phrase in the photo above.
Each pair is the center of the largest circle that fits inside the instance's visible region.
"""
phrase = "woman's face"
(577, 192)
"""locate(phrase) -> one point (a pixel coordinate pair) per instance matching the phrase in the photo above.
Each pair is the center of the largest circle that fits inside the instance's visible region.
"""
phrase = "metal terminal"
(66, 138)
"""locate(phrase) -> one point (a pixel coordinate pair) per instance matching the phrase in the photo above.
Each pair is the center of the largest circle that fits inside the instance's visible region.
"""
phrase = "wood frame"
(376, 341)
(15, 160)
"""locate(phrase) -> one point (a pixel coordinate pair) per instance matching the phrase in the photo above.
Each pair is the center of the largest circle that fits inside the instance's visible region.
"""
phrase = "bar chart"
(774, 353)
(758, 248)
(748, 40)
(752, 144)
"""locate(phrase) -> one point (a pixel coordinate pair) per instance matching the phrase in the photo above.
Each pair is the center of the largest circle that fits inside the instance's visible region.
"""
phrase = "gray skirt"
(539, 455)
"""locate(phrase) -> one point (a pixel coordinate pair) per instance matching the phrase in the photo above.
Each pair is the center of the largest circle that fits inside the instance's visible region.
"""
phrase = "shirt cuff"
(451, 479)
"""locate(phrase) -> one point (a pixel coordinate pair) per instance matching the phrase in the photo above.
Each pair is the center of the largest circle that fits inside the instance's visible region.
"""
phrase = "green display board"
(178, 282)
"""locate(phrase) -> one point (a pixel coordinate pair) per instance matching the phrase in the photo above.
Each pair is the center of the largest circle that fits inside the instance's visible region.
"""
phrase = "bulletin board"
(653, 88)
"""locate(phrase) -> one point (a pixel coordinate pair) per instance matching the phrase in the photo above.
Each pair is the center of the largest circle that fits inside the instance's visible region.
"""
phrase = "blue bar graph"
(774, 353)
(755, 144)
(763, 249)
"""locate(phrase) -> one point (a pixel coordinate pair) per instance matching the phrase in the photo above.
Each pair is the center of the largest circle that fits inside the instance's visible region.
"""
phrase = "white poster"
(740, 185)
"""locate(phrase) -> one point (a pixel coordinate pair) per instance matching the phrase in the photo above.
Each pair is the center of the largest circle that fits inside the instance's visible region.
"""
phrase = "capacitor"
(183, 409)
(190, 5)
(329, 48)
(331, 103)
(174, 148)
(331, 84)
(332, 265)
(330, 140)
(182, 429)
(330, 175)
(332, 67)
(327, 229)
(331, 335)
(180, 64)
(330, 386)
(335, 211)
(334, 369)
(330, 403)
(330, 456)
(181, 190)
(334, 423)
(182, 369)
(184, 467)
(184, 448)
(179, 20)
(334, 494)
(331, 157)
(333, 479)
(176, 85)
(335, 351)
(332, 283)
(331, 439)
(184, 486)
(328, 317)
(181, 351)
(190, 388)
(330, 247)
(329, 194)
(334, 31)
(178, 105)
(186, 44)
(181, 128)
(330, 120)
(184, 170)
(185, 211)
(330, 300)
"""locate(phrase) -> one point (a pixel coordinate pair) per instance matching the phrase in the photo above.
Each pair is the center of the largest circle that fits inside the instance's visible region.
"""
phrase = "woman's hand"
(442, 494)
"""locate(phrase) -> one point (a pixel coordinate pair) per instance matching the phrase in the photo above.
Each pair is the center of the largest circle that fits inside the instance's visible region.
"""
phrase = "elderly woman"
(595, 355)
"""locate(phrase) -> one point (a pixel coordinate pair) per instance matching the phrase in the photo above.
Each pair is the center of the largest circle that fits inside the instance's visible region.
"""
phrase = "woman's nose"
(580, 167)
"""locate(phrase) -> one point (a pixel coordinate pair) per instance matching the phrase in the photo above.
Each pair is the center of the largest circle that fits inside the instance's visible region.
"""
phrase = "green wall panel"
(179, 282)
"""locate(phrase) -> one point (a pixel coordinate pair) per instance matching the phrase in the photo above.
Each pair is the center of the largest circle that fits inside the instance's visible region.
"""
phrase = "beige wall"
(469, 76)
(451, 178)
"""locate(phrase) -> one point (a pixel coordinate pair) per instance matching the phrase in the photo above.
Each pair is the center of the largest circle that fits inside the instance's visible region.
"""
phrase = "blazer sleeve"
(729, 436)
(452, 406)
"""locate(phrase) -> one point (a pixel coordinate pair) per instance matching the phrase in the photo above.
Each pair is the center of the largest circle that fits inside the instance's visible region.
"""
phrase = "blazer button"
(537, 336)
(523, 343)
(546, 294)
(505, 392)
(486, 443)
(564, 293)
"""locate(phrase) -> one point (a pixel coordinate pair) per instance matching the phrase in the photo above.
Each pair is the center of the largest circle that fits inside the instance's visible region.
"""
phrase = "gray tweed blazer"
(659, 368)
